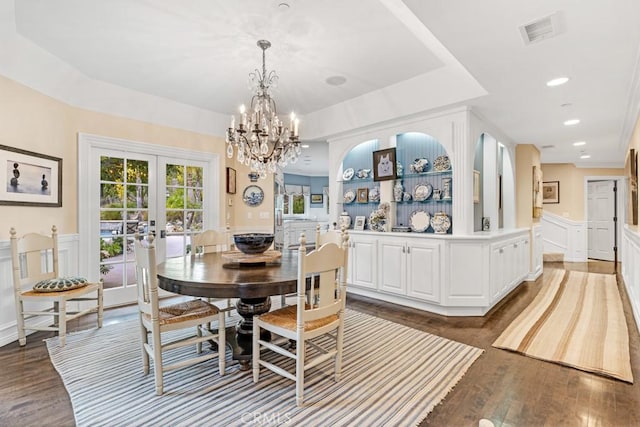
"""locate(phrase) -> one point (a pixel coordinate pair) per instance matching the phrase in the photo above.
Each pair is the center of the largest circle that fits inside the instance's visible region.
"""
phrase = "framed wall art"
(363, 195)
(316, 198)
(551, 192)
(231, 181)
(359, 224)
(384, 164)
(29, 179)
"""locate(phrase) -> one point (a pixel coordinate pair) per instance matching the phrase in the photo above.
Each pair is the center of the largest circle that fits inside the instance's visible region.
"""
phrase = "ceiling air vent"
(542, 29)
(546, 147)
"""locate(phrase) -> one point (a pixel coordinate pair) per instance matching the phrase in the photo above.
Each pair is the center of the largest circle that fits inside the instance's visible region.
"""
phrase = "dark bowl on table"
(253, 243)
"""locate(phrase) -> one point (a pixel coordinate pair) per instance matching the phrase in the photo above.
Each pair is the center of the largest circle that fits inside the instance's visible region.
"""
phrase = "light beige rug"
(576, 320)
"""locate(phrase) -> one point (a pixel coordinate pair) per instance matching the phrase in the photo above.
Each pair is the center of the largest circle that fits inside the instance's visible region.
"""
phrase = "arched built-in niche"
(436, 176)
(496, 198)
(356, 175)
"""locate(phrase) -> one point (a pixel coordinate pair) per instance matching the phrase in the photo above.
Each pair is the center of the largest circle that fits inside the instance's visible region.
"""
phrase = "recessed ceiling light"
(305, 146)
(566, 104)
(336, 80)
(585, 156)
(579, 143)
(571, 122)
(557, 81)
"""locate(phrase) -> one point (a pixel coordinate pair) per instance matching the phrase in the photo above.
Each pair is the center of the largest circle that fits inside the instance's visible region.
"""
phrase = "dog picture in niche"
(385, 167)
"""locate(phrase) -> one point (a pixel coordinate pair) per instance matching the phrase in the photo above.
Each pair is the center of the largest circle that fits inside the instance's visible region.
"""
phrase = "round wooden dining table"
(212, 276)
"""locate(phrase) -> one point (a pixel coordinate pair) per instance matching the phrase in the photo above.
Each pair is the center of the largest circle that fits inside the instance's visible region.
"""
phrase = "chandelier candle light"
(261, 140)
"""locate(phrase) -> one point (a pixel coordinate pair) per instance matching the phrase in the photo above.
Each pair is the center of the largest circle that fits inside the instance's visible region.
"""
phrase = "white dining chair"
(303, 322)
(36, 281)
(156, 320)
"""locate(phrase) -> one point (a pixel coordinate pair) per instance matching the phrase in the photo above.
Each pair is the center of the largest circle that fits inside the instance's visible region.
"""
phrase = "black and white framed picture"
(384, 164)
(29, 179)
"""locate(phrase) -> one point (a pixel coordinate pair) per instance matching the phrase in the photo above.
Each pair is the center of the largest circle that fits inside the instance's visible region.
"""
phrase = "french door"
(142, 189)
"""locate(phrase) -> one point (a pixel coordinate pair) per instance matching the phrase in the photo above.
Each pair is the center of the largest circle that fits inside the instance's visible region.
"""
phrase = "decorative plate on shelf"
(422, 192)
(374, 194)
(441, 163)
(253, 195)
(349, 196)
(348, 174)
(363, 173)
(419, 221)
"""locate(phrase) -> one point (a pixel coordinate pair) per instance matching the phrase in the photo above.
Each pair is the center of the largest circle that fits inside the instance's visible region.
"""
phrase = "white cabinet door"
(362, 261)
(392, 262)
(497, 282)
(423, 271)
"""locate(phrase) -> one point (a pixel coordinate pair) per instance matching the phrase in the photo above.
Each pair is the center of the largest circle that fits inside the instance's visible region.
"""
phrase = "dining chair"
(303, 322)
(329, 236)
(211, 241)
(156, 320)
(37, 284)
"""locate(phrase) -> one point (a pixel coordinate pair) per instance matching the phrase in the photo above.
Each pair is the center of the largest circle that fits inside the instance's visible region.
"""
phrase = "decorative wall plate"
(422, 192)
(349, 196)
(348, 174)
(374, 194)
(253, 195)
(441, 163)
(363, 173)
(419, 221)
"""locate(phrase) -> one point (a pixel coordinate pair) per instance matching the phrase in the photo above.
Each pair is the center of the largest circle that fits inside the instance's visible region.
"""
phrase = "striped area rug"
(576, 320)
(392, 376)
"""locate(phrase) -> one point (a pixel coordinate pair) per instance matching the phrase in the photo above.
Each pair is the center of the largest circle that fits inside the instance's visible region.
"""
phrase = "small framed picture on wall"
(231, 181)
(551, 192)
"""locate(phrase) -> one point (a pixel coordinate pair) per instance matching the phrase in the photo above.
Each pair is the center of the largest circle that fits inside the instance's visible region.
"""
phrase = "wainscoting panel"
(68, 264)
(561, 235)
(631, 269)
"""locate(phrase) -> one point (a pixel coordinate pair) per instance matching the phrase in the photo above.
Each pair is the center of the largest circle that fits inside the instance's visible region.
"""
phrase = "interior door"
(600, 219)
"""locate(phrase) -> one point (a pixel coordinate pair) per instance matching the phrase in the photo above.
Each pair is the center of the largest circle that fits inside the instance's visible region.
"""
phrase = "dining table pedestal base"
(241, 340)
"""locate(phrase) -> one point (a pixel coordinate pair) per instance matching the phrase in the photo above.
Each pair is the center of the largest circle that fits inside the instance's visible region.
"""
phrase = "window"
(296, 200)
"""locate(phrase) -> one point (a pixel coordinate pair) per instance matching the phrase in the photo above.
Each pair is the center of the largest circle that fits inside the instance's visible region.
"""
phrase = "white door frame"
(621, 206)
(88, 259)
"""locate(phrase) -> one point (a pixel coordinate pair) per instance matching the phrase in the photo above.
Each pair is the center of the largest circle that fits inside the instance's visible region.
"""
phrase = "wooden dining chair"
(211, 241)
(302, 322)
(156, 320)
(36, 282)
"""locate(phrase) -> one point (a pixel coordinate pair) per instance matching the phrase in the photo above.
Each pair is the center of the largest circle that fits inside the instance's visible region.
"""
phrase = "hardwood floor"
(507, 388)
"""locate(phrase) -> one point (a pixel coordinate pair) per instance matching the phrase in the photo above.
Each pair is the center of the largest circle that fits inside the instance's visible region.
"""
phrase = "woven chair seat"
(184, 311)
(286, 318)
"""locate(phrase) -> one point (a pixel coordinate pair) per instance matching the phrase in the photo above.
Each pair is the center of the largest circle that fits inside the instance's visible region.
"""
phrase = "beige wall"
(572, 195)
(35, 122)
(247, 218)
(527, 156)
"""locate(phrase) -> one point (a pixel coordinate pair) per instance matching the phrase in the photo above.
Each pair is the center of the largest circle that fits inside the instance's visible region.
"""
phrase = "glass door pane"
(124, 211)
(184, 205)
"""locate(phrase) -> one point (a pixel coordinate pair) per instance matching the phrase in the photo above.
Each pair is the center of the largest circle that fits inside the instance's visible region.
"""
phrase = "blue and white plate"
(253, 195)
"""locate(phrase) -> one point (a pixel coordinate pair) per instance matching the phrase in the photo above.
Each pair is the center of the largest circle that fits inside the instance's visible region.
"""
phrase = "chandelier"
(261, 140)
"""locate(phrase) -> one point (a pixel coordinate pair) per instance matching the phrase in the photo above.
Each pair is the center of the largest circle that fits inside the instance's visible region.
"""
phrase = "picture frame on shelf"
(384, 164)
(359, 224)
(231, 181)
(476, 186)
(29, 178)
(551, 192)
(316, 199)
(362, 195)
